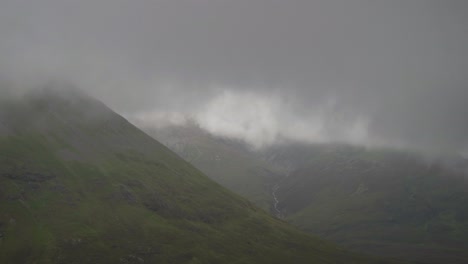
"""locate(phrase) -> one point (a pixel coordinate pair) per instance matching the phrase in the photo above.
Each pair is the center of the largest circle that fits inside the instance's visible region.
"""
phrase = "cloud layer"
(361, 71)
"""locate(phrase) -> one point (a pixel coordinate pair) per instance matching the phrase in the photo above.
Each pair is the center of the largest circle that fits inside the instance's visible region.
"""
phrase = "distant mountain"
(80, 184)
(381, 201)
(378, 201)
(229, 162)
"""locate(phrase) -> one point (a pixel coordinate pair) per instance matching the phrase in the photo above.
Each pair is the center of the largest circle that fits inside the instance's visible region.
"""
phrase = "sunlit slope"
(378, 201)
(79, 184)
(229, 162)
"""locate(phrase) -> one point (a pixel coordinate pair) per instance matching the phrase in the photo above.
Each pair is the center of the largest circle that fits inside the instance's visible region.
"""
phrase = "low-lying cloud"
(361, 71)
(260, 120)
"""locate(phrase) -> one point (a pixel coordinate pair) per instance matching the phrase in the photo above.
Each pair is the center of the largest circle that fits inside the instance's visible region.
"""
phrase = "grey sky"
(372, 72)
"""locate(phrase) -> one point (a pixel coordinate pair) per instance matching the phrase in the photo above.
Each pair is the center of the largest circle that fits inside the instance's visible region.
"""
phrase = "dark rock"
(134, 183)
(34, 186)
(126, 194)
(59, 188)
(158, 204)
(29, 176)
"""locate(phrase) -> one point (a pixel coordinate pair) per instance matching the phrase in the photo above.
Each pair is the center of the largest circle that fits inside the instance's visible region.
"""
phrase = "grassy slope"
(228, 162)
(79, 184)
(378, 201)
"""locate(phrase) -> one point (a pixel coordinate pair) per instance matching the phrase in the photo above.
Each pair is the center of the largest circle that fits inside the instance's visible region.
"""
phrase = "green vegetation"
(378, 201)
(391, 203)
(79, 184)
(228, 162)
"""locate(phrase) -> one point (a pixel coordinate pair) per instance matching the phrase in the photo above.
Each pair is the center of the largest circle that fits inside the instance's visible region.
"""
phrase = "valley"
(377, 201)
(233, 132)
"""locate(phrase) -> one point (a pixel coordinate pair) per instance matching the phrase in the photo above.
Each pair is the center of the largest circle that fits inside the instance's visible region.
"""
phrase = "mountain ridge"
(80, 184)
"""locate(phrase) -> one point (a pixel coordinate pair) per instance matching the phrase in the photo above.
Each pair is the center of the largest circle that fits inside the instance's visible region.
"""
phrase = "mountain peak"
(80, 184)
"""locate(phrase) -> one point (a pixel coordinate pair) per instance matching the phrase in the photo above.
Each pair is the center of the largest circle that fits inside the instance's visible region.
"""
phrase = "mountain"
(378, 201)
(80, 184)
(229, 162)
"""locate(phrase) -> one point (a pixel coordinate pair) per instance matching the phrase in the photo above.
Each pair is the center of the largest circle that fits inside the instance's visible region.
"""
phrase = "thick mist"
(366, 72)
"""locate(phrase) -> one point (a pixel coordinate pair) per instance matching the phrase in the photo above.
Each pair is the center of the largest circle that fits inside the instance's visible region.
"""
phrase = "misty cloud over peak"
(359, 71)
(260, 120)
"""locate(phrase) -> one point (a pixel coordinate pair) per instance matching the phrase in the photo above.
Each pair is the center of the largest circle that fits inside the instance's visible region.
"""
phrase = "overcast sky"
(391, 72)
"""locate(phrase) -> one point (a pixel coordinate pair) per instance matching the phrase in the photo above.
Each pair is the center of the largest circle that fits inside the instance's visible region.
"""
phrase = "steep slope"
(378, 201)
(229, 162)
(384, 202)
(79, 184)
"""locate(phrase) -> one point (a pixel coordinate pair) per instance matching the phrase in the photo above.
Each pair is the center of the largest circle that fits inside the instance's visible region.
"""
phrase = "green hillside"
(79, 184)
(391, 203)
(377, 201)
